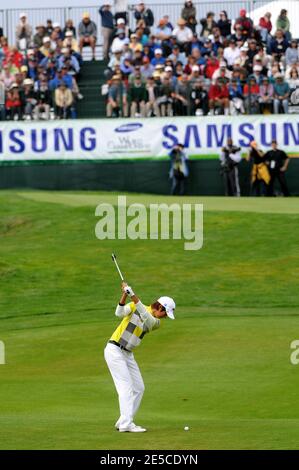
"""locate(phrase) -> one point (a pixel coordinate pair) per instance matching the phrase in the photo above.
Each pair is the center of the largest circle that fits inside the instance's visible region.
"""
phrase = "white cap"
(168, 68)
(257, 68)
(23, 15)
(69, 33)
(56, 25)
(158, 51)
(120, 21)
(195, 68)
(169, 305)
(46, 39)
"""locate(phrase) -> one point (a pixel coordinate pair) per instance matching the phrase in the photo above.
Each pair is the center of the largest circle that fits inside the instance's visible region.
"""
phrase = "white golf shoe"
(132, 428)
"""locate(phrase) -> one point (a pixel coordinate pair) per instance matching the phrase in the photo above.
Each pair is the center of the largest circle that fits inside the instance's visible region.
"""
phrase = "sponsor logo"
(131, 127)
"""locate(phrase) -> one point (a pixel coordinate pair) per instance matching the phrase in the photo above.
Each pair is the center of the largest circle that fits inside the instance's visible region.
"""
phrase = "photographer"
(179, 169)
(230, 158)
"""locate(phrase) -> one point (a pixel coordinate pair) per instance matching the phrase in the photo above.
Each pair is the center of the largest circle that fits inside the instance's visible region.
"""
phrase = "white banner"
(110, 139)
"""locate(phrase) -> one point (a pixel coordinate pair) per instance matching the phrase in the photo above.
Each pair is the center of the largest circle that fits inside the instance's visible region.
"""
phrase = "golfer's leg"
(121, 376)
(138, 385)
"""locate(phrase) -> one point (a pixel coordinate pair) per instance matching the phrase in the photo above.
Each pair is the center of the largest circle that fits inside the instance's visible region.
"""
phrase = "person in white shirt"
(231, 53)
(184, 35)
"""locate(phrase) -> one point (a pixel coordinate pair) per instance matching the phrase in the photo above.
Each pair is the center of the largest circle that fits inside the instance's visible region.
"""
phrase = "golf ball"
(186, 428)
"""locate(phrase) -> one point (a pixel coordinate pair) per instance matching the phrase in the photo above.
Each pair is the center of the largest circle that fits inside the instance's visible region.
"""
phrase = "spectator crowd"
(199, 66)
(39, 73)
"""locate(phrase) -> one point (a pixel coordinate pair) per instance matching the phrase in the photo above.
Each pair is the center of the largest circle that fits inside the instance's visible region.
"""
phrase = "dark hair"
(156, 305)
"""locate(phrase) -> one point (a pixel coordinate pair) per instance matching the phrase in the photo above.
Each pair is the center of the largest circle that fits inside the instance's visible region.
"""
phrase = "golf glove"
(129, 291)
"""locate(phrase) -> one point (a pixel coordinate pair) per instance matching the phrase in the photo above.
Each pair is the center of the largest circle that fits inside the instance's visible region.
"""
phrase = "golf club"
(117, 267)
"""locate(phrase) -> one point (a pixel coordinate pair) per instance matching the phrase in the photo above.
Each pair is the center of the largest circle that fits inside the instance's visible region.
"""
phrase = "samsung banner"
(104, 139)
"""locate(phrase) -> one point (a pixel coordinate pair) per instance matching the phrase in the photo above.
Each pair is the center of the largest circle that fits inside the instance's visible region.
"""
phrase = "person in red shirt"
(251, 92)
(265, 27)
(219, 96)
(245, 23)
(211, 66)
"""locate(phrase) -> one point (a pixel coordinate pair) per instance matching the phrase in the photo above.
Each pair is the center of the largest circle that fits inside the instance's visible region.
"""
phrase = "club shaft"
(117, 267)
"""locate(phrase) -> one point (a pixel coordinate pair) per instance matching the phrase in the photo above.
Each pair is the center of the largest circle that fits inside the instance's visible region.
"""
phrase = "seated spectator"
(142, 32)
(236, 102)
(231, 53)
(117, 98)
(245, 23)
(199, 101)
(39, 36)
(158, 59)
(293, 81)
(137, 97)
(181, 97)
(265, 26)
(281, 95)
(141, 12)
(257, 73)
(221, 72)
(212, 65)
(7, 77)
(178, 56)
(151, 106)
(45, 50)
(292, 53)
(69, 27)
(28, 99)
(43, 101)
(2, 101)
(266, 94)
(68, 59)
(224, 24)
(207, 23)
(119, 41)
(278, 45)
(183, 35)
(252, 94)
(283, 23)
(162, 33)
(164, 93)
(219, 97)
(87, 32)
(147, 69)
(63, 101)
(23, 33)
(58, 31)
(13, 103)
(71, 42)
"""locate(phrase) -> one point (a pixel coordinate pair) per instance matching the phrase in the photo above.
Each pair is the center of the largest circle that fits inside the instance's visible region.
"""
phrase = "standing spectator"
(23, 33)
(49, 27)
(283, 23)
(87, 31)
(245, 23)
(189, 11)
(265, 26)
(281, 94)
(266, 94)
(224, 24)
(137, 97)
(107, 27)
(199, 101)
(179, 171)
(121, 11)
(230, 157)
(219, 97)
(39, 36)
(277, 161)
(292, 53)
(1, 32)
(260, 176)
(141, 12)
(2, 101)
(63, 101)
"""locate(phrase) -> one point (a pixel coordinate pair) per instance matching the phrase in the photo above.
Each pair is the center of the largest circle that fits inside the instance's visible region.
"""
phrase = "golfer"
(137, 320)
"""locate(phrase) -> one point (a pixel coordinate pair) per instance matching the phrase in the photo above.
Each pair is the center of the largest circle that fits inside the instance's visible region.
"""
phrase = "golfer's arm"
(152, 322)
(123, 310)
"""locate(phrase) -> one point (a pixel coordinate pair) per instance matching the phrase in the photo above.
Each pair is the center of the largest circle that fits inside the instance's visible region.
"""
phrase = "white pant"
(127, 380)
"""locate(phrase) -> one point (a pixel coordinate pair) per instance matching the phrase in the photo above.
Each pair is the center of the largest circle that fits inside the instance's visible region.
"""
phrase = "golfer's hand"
(129, 291)
(123, 286)
(282, 169)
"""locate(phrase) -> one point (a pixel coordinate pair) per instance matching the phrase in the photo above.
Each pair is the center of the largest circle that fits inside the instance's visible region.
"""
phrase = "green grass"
(222, 367)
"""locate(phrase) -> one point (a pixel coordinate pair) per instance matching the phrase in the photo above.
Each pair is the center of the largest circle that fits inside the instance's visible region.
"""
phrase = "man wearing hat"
(107, 27)
(184, 35)
(231, 53)
(39, 35)
(87, 31)
(143, 13)
(137, 321)
(23, 33)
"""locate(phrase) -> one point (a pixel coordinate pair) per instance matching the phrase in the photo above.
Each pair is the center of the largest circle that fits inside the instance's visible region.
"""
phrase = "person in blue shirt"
(158, 59)
(61, 76)
(69, 59)
(281, 94)
(107, 28)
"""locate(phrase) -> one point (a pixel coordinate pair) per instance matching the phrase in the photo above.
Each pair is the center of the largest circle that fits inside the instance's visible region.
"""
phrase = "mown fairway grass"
(222, 368)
